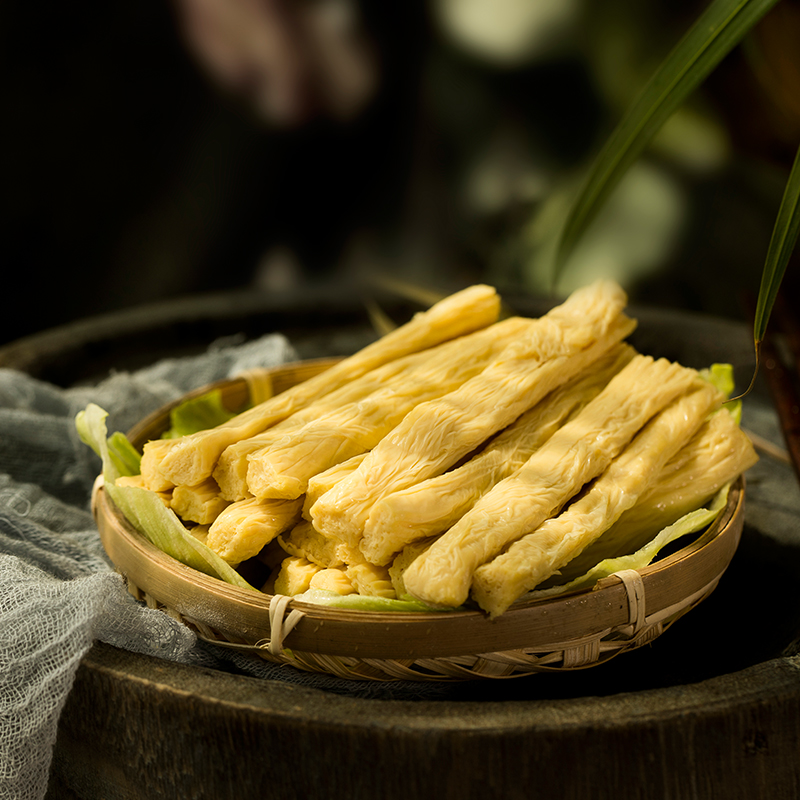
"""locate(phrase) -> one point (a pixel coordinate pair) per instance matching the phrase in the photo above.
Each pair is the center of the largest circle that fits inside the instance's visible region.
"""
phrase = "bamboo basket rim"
(565, 632)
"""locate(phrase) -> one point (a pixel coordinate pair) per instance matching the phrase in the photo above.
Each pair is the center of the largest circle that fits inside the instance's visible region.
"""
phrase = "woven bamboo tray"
(575, 631)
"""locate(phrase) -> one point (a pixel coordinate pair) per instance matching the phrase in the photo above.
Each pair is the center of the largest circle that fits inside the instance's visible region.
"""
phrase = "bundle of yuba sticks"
(459, 456)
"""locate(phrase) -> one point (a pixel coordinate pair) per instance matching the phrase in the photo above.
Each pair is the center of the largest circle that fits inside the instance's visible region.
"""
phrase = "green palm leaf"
(782, 243)
(718, 30)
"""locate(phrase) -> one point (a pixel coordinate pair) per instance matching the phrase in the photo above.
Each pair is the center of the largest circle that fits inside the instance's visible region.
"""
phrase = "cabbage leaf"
(357, 602)
(693, 522)
(197, 414)
(143, 508)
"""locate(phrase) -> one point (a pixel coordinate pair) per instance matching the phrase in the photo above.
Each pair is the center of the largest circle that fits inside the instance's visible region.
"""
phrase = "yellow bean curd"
(232, 466)
(202, 503)
(537, 555)
(243, 528)
(304, 541)
(326, 480)
(283, 469)
(715, 456)
(434, 505)
(231, 469)
(578, 452)
(438, 433)
(191, 459)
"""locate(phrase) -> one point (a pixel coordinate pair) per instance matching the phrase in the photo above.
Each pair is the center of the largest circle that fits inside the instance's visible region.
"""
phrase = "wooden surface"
(148, 730)
(711, 709)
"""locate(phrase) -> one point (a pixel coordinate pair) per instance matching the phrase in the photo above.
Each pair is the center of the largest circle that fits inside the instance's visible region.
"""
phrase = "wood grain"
(135, 728)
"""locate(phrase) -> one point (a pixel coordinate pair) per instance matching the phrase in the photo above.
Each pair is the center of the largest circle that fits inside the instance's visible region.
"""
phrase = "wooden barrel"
(710, 709)
(138, 728)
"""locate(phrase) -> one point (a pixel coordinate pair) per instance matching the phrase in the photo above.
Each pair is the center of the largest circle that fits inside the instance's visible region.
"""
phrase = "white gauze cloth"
(58, 591)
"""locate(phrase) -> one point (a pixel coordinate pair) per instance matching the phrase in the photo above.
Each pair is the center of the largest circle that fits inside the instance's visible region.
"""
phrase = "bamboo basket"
(575, 631)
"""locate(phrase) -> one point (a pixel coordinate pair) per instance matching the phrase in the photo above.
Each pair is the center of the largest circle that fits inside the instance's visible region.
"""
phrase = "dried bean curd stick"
(201, 503)
(437, 434)
(191, 459)
(200, 532)
(231, 470)
(436, 504)
(138, 481)
(304, 541)
(154, 452)
(371, 580)
(537, 555)
(326, 480)
(245, 527)
(295, 576)
(403, 560)
(714, 456)
(575, 454)
(333, 580)
(283, 469)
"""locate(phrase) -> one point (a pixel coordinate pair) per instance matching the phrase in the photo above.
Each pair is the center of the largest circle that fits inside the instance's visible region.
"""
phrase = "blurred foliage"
(699, 52)
(689, 222)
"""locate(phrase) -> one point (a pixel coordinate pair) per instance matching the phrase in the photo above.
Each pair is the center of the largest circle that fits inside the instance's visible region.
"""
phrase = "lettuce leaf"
(357, 602)
(693, 522)
(721, 377)
(143, 508)
(119, 456)
(197, 414)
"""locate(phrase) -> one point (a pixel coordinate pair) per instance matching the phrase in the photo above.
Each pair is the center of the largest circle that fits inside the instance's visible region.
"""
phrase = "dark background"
(128, 177)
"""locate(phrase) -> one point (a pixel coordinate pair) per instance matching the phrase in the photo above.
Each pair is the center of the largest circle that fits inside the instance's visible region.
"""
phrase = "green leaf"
(721, 376)
(197, 414)
(91, 426)
(142, 508)
(124, 454)
(357, 602)
(145, 511)
(693, 522)
(717, 31)
(782, 243)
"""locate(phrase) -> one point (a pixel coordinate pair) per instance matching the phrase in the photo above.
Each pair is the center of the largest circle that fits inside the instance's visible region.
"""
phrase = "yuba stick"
(191, 459)
(283, 468)
(714, 456)
(436, 504)
(243, 528)
(576, 454)
(537, 555)
(436, 434)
